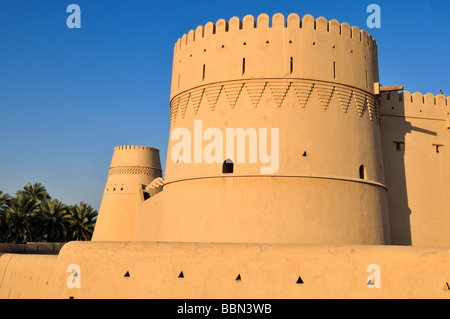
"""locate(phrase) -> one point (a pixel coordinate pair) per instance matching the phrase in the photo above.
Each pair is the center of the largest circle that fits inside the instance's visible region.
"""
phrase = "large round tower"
(298, 95)
(132, 167)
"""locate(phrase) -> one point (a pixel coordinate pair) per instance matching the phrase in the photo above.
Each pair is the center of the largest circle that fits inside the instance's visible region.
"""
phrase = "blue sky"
(69, 96)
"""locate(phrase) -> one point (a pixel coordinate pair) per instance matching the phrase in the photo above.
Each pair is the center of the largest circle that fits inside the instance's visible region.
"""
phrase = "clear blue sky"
(68, 96)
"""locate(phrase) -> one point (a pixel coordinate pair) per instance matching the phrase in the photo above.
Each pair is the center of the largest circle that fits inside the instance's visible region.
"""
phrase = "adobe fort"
(352, 207)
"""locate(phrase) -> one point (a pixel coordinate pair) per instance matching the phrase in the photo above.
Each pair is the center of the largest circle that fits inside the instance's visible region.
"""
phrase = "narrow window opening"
(127, 274)
(238, 277)
(243, 66)
(388, 95)
(181, 275)
(304, 154)
(362, 172)
(437, 147)
(178, 85)
(290, 41)
(291, 64)
(398, 145)
(204, 70)
(367, 80)
(299, 280)
(227, 167)
(334, 70)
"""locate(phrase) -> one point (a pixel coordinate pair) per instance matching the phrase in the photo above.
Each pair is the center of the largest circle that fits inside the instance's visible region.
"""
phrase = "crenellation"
(134, 147)
(308, 23)
(293, 21)
(234, 24)
(190, 37)
(210, 29)
(199, 32)
(221, 26)
(321, 24)
(346, 30)
(278, 21)
(334, 28)
(248, 22)
(415, 105)
(263, 21)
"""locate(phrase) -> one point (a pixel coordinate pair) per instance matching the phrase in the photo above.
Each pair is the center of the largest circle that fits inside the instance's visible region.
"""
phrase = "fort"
(358, 200)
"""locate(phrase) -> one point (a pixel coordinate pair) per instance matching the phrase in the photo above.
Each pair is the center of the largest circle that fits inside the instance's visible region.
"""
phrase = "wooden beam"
(391, 88)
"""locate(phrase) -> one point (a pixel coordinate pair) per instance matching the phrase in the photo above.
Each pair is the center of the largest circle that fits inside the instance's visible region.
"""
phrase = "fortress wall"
(26, 276)
(416, 138)
(267, 209)
(266, 271)
(148, 218)
(336, 139)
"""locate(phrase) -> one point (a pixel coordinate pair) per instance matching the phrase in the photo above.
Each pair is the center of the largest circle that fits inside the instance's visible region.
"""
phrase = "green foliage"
(32, 215)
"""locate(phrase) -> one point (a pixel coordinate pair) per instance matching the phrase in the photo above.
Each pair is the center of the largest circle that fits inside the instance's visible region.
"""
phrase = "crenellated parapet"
(134, 147)
(135, 156)
(278, 48)
(416, 104)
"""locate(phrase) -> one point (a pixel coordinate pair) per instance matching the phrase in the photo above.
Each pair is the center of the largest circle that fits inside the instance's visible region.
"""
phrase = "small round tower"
(131, 168)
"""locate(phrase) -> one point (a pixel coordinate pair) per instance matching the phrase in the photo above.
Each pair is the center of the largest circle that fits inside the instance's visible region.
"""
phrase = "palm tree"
(4, 202)
(53, 221)
(20, 215)
(36, 191)
(83, 221)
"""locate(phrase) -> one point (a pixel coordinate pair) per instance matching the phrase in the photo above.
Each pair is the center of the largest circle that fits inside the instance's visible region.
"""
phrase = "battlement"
(135, 147)
(135, 156)
(277, 48)
(278, 20)
(415, 104)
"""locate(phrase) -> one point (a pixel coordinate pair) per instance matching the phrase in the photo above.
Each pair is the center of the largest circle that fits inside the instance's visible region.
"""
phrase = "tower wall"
(416, 139)
(312, 80)
(131, 167)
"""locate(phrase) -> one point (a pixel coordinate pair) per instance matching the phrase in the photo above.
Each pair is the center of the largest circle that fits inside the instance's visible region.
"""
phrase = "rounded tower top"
(135, 155)
(296, 48)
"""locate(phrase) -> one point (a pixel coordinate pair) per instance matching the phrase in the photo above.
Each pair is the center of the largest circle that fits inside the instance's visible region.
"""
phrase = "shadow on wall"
(394, 130)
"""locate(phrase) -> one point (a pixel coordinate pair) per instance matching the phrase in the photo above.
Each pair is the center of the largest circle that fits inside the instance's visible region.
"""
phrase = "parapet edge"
(278, 20)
